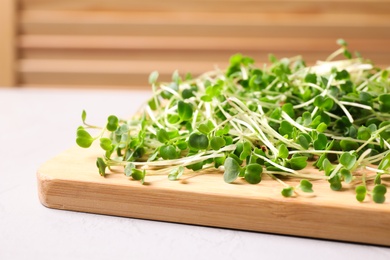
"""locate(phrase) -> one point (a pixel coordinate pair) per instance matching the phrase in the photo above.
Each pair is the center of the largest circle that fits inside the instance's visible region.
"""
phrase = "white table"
(37, 124)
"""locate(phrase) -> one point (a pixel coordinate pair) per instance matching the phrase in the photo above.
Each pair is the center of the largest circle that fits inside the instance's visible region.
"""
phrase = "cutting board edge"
(47, 184)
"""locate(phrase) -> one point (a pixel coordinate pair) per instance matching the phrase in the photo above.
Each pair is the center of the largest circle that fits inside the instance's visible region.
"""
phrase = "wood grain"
(297, 6)
(70, 181)
(7, 44)
(229, 42)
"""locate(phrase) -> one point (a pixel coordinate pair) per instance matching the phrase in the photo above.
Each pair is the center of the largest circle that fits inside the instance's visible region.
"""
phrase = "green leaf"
(378, 178)
(322, 127)
(101, 166)
(112, 123)
(176, 77)
(348, 145)
(153, 77)
(224, 131)
(246, 150)
(289, 109)
(232, 170)
(343, 74)
(285, 128)
(283, 151)
(347, 87)
(327, 166)
(206, 128)
(347, 54)
(386, 133)
(288, 191)
(385, 162)
(348, 160)
(182, 145)
(162, 136)
(253, 173)
(168, 152)
(346, 175)
(129, 169)
(306, 118)
(384, 100)
(83, 116)
(342, 42)
(323, 103)
(196, 166)
(276, 114)
(187, 93)
(138, 175)
(176, 173)
(173, 119)
(361, 192)
(198, 141)
(106, 144)
(153, 104)
(320, 142)
(298, 162)
(184, 110)
(306, 186)
(217, 142)
(84, 139)
(311, 78)
(335, 183)
(378, 193)
(219, 161)
(302, 140)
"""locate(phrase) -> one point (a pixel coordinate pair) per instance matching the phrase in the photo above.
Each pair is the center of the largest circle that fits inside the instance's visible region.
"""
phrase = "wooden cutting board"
(70, 181)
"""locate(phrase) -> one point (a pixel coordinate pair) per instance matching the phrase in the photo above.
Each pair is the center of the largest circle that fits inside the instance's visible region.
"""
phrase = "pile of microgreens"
(248, 121)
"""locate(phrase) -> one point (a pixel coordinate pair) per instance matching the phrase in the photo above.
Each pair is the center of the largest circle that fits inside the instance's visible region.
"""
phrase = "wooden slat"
(206, 31)
(205, 24)
(204, 18)
(93, 66)
(173, 56)
(194, 43)
(110, 73)
(296, 6)
(7, 44)
(85, 80)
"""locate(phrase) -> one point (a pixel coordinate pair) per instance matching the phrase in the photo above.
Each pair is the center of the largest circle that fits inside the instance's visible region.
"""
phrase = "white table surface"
(37, 124)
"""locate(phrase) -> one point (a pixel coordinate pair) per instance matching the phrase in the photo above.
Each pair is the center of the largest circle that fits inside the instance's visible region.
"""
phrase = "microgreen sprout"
(251, 122)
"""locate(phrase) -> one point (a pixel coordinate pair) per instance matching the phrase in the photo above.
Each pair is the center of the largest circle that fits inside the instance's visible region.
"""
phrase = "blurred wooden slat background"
(117, 43)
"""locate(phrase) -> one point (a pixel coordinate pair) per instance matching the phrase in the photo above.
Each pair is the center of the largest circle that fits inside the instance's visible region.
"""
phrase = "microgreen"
(347, 160)
(84, 139)
(198, 141)
(378, 193)
(288, 191)
(306, 186)
(360, 192)
(253, 173)
(249, 122)
(232, 170)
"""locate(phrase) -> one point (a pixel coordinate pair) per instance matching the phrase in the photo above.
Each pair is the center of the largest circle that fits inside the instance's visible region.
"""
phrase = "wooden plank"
(296, 6)
(195, 43)
(212, 56)
(7, 45)
(203, 18)
(110, 73)
(119, 67)
(173, 30)
(205, 24)
(70, 182)
(86, 80)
